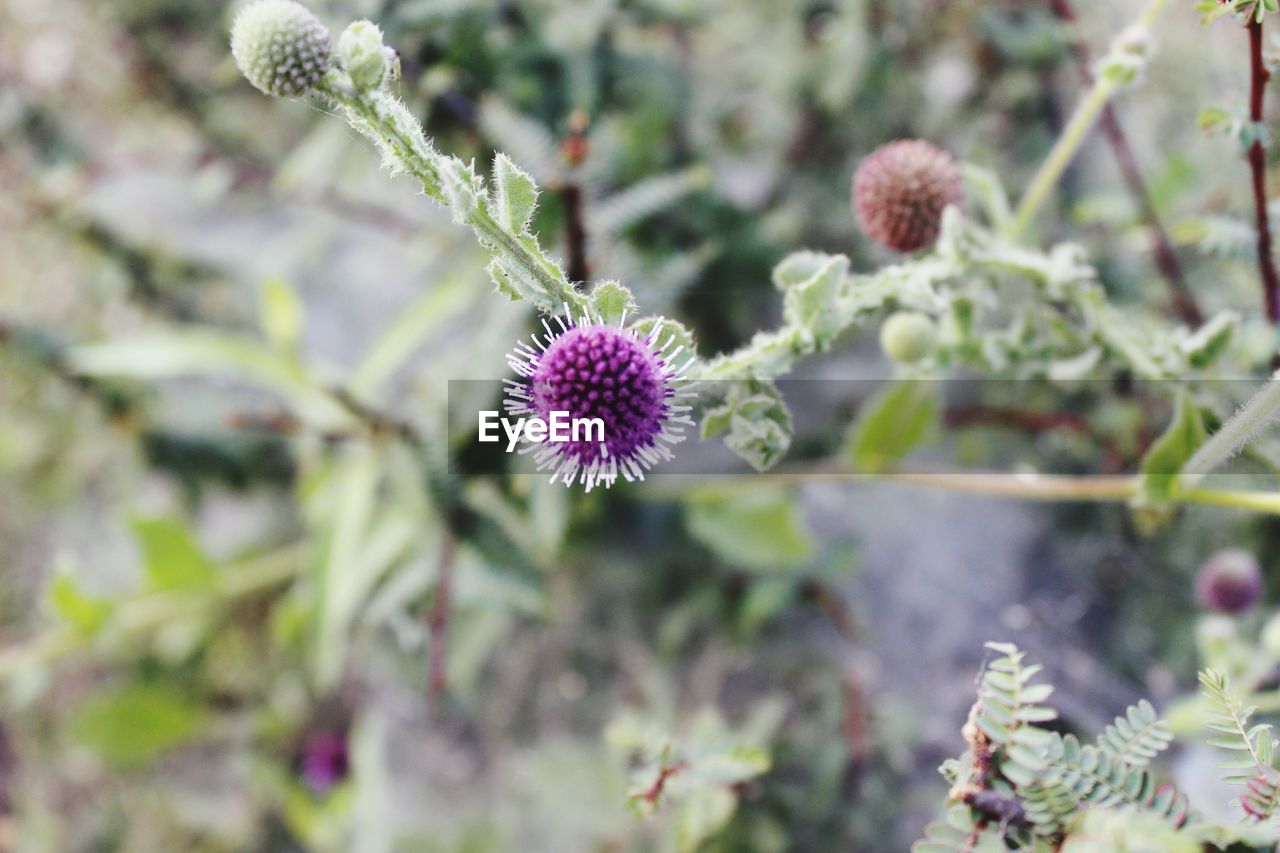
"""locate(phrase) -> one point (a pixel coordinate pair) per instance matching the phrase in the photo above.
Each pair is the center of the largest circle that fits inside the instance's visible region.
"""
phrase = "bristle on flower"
(635, 387)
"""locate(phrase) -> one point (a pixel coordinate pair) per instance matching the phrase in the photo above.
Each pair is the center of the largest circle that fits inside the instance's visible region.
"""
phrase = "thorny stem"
(1166, 258)
(1258, 167)
(438, 621)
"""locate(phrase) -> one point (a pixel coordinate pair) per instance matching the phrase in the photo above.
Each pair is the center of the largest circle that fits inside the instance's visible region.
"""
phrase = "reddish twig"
(664, 775)
(1019, 419)
(1166, 258)
(1258, 165)
(438, 622)
(574, 151)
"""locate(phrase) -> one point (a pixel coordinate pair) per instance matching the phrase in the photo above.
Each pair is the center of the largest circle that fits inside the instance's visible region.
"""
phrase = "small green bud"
(280, 47)
(1135, 41)
(907, 337)
(363, 55)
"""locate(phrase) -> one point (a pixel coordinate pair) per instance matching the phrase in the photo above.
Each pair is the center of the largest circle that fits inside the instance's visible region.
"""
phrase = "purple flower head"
(620, 395)
(324, 760)
(1230, 581)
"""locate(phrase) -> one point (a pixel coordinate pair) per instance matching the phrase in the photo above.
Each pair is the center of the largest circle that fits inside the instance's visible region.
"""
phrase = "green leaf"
(515, 195)
(202, 352)
(1211, 340)
(757, 420)
(757, 530)
(171, 557)
(703, 813)
(611, 302)
(86, 615)
(1164, 460)
(895, 421)
(280, 312)
(136, 724)
(811, 304)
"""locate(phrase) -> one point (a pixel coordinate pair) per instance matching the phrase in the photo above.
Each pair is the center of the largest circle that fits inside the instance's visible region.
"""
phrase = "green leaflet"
(756, 530)
(895, 421)
(1166, 457)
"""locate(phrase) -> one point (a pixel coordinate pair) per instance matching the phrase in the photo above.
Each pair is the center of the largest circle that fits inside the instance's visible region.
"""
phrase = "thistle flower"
(1230, 581)
(900, 191)
(593, 370)
(325, 762)
(280, 47)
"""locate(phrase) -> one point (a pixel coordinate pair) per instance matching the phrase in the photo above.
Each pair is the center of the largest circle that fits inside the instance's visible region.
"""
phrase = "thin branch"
(1258, 166)
(1018, 419)
(1166, 259)
(438, 621)
(664, 775)
(574, 150)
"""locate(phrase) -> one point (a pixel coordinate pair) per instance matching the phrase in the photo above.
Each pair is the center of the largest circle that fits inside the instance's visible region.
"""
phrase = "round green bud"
(363, 55)
(907, 337)
(280, 47)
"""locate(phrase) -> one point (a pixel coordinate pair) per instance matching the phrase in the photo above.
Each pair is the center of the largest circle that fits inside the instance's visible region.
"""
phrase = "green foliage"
(135, 724)
(1166, 458)
(894, 423)
(1078, 796)
(755, 421)
(760, 530)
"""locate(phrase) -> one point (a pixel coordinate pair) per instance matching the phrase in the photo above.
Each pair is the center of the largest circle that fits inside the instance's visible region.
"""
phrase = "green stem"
(1239, 430)
(1069, 142)
(1064, 151)
(1056, 488)
(413, 151)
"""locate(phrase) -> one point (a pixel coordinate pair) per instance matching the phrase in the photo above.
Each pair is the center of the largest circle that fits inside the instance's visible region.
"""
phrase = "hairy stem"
(1064, 151)
(1259, 75)
(1068, 144)
(1166, 258)
(386, 120)
(1239, 430)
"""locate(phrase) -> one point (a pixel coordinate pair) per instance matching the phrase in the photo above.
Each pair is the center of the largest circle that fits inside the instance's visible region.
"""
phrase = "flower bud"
(280, 47)
(907, 337)
(901, 190)
(1230, 581)
(1135, 41)
(363, 55)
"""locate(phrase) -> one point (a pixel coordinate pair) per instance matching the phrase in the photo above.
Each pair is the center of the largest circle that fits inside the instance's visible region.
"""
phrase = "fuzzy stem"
(377, 112)
(1068, 144)
(1259, 75)
(1064, 150)
(1239, 430)
(1166, 258)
